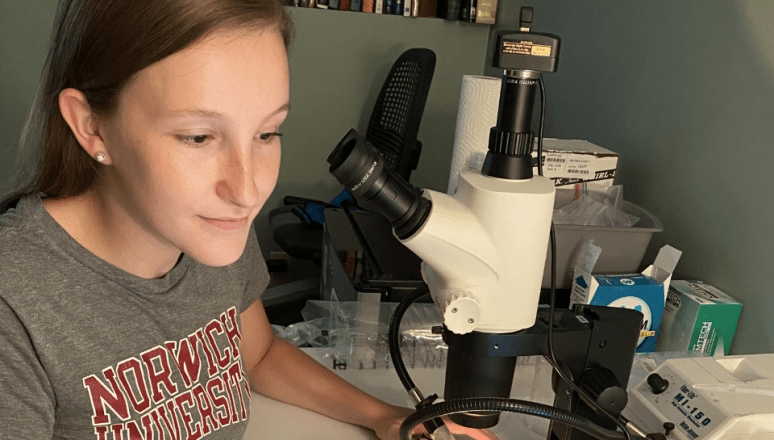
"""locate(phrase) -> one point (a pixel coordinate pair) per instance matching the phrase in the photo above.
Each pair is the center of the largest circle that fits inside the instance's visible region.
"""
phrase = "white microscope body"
(483, 251)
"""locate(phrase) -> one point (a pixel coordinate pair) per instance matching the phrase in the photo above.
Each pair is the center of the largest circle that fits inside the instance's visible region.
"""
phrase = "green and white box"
(698, 318)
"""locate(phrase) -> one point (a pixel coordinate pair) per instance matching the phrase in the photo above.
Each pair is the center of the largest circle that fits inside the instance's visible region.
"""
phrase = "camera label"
(526, 47)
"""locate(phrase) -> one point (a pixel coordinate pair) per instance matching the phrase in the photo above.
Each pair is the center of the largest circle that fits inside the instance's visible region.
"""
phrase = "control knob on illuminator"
(657, 383)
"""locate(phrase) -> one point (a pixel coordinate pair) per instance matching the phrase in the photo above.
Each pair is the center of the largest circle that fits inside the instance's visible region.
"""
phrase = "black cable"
(430, 414)
(540, 129)
(508, 405)
(552, 356)
(393, 337)
(393, 340)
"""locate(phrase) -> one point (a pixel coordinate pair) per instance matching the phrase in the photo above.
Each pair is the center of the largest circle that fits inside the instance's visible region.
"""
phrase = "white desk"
(275, 420)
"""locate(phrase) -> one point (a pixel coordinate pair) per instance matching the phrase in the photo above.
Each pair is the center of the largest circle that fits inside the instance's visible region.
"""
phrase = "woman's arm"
(281, 371)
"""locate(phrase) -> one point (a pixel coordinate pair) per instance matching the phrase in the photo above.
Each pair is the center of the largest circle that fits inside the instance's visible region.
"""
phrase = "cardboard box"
(568, 161)
(645, 292)
(698, 318)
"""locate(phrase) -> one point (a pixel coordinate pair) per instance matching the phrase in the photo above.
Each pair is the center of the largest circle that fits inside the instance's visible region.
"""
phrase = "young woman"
(130, 274)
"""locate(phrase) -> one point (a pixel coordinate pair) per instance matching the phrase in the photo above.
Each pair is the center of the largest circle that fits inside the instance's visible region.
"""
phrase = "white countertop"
(276, 420)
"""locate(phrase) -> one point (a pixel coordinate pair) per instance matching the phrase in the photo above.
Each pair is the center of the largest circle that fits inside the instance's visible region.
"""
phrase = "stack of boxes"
(678, 316)
(681, 316)
(684, 317)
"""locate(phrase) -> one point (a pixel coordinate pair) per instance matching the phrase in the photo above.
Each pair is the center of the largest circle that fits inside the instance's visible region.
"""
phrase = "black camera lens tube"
(511, 140)
(517, 98)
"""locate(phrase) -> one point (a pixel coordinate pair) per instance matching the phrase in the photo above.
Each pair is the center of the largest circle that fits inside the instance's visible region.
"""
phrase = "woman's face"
(193, 147)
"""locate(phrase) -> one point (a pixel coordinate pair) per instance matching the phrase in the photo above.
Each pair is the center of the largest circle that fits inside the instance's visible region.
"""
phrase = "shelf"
(485, 14)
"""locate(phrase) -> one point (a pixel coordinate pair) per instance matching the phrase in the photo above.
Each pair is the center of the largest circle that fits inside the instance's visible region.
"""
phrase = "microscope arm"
(454, 245)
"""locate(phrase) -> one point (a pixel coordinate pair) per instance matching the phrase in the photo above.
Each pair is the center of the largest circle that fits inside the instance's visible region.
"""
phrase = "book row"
(471, 11)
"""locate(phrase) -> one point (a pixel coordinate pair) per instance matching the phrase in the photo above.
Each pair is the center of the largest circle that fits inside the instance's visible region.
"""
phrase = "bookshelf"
(480, 12)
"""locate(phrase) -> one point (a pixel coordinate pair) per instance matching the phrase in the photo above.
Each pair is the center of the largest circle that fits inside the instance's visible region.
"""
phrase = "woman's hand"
(388, 428)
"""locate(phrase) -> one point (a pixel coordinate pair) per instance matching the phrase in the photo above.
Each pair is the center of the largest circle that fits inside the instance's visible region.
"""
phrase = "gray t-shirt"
(88, 350)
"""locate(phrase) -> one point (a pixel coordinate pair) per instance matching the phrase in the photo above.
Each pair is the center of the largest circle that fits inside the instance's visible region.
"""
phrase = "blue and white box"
(645, 292)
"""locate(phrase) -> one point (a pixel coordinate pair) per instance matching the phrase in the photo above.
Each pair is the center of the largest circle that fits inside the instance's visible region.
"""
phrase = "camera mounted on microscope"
(522, 55)
(525, 50)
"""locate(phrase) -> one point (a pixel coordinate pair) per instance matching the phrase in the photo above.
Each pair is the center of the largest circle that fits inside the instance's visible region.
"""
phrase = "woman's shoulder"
(22, 240)
(19, 218)
(10, 218)
(14, 224)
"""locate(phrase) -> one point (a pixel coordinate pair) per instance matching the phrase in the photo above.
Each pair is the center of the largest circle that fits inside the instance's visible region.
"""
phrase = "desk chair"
(297, 225)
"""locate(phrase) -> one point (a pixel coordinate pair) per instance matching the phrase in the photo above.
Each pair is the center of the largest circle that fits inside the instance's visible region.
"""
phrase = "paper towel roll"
(476, 115)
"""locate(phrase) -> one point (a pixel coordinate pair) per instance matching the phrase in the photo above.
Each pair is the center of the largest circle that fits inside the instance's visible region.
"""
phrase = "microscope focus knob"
(461, 312)
(602, 386)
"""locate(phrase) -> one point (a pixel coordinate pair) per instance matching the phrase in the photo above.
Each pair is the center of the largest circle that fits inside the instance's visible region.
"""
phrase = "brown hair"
(97, 47)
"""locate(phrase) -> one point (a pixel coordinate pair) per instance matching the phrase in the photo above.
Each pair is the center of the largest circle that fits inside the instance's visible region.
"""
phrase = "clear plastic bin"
(622, 248)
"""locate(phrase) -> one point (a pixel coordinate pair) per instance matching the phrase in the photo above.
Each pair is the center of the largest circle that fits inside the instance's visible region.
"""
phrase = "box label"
(569, 161)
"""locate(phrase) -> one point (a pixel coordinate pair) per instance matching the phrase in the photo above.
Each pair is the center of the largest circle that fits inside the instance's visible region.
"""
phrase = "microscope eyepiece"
(357, 165)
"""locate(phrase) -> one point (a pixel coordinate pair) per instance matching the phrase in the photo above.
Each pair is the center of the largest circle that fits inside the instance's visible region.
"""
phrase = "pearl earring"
(100, 157)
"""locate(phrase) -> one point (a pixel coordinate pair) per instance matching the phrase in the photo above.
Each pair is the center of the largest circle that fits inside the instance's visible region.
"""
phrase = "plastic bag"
(305, 333)
(356, 332)
(595, 205)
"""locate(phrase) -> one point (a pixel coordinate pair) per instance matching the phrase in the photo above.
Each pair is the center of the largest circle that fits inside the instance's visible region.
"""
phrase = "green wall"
(25, 26)
(684, 91)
